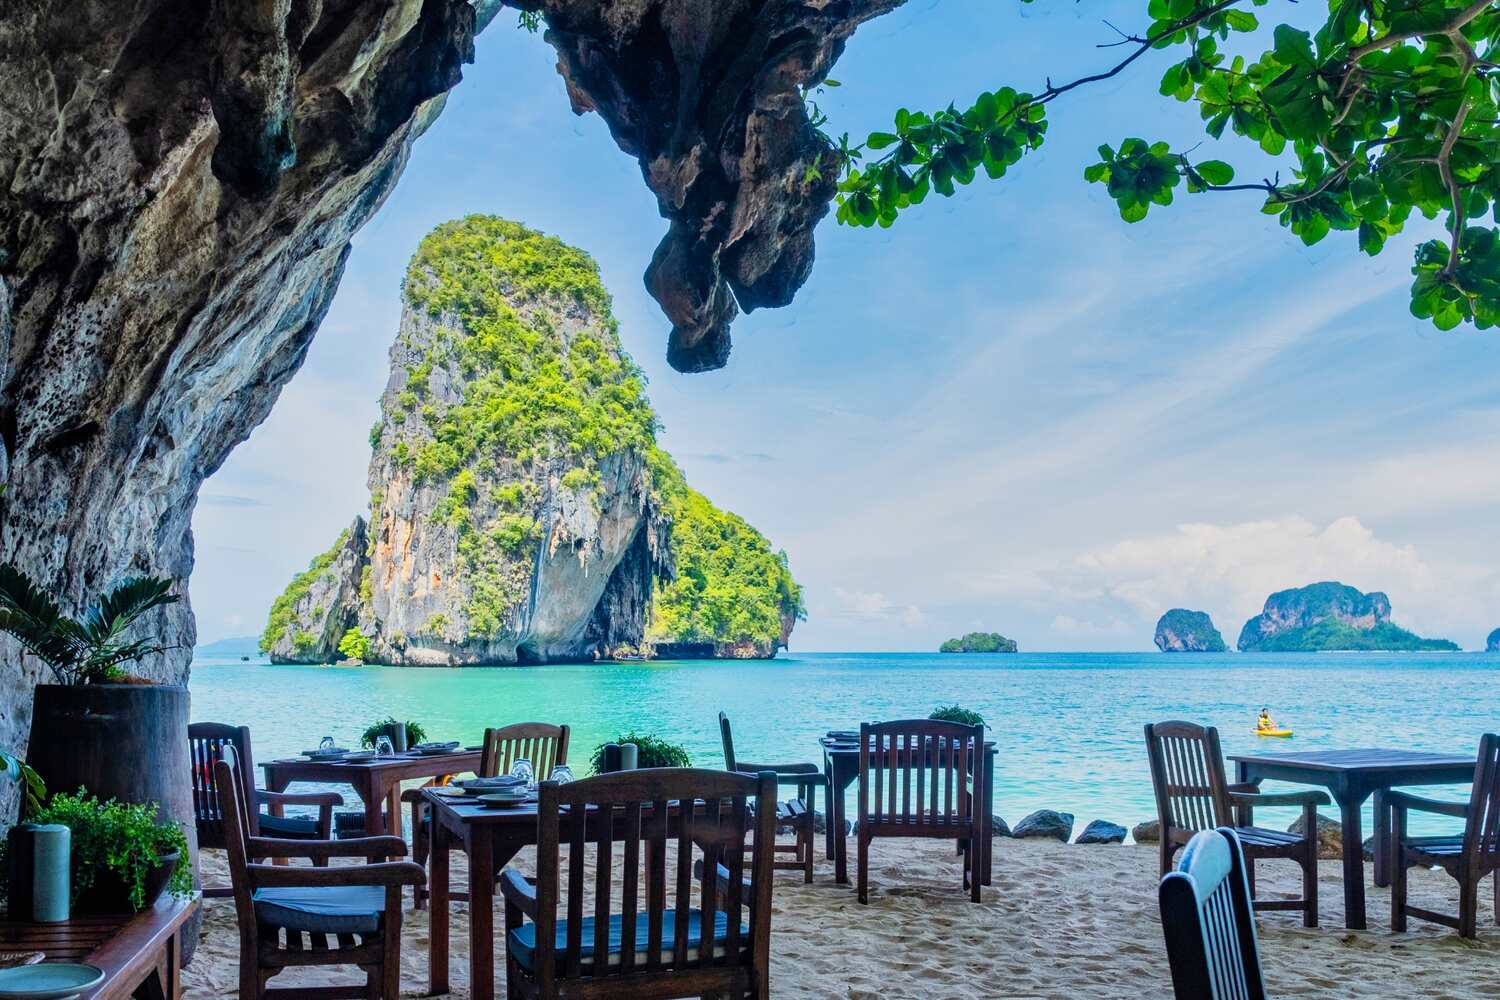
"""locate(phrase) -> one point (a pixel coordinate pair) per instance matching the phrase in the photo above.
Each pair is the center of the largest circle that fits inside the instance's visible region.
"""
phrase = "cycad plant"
(92, 648)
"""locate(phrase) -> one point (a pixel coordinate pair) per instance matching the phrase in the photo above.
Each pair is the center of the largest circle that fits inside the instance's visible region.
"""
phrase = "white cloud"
(1229, 569)
(872, 606)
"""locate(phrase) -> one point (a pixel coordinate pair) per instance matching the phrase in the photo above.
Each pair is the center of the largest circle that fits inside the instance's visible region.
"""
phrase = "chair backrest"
(545, 745)
(1187, 774)
(1208, 923)
(919, 772)
(727, 738)
(1482, 830)
(207, 742)
(707, 816)
(228, 772)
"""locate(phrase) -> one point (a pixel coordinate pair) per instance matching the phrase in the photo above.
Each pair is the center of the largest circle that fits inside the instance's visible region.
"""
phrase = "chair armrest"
(413, 794)
(386, 873)
(1243, 787)
(301, 798)
(1406, 800)
(518, 892)
(1310, 797)
(787, 774)
(357, 847)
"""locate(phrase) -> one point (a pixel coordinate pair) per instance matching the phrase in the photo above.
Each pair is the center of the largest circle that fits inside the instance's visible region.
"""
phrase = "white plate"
(48, 981)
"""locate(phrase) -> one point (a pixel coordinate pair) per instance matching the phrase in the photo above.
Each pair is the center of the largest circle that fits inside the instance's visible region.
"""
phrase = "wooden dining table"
(841, 767)
(1351, 777)
(376, 780)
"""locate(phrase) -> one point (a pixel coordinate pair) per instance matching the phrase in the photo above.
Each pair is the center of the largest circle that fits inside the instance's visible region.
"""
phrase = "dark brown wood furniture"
(923, 778)
(841, 766)
(139, 953)
(542, 743)
(1208, 923)
(1352, 776)
(206, 741)
(292, 916)
(794, 814)
(1468, 857)
(634, 943)
(376, 780)
(1192, 794)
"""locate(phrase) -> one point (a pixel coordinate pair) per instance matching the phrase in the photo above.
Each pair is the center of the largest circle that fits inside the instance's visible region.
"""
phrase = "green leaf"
(1215, 171)
(880, 140)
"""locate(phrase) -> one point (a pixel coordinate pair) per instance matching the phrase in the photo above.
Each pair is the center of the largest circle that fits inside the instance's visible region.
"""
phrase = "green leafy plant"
(651, 751)
(126, 839)
(33, 789)
(957, 713)
(354, 645)
(91, 649)
(1384, 110)
(414, 732)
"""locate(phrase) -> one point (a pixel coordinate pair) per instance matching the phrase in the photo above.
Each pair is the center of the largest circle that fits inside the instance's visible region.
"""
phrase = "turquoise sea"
(1068, 725)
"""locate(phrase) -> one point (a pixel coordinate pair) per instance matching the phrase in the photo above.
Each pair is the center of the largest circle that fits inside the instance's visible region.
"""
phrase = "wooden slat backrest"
(1210, 929)
(918, 772)
(1187, 774)
(237, 833)
(709, 818)
(545, 745)
(206, 744)
(727, 738)
(1482, 830)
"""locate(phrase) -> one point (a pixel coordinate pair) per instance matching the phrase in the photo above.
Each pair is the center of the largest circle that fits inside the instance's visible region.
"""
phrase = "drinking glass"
(326, 743)
(383, 746)
(522, 769)
(562, 774)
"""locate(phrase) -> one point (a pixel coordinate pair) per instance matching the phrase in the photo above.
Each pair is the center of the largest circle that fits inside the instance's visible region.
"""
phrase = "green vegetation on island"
(282, 620)
(1329, 617)
(1184, 631)
(979, 642)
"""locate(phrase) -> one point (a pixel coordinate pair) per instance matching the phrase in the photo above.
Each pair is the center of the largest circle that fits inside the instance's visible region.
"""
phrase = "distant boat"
(244, 659)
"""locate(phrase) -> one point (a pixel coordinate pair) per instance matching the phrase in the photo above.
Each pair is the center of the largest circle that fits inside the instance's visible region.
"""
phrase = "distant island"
(240, 645)
(1327, 617)
(979, 642)
(1184, 631)
(1492, 644)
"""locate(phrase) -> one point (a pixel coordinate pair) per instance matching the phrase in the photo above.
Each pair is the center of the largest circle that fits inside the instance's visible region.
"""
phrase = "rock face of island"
(520, 510)
(979, 642)
(1330, 616)
(1492, 644)
(1184, 631)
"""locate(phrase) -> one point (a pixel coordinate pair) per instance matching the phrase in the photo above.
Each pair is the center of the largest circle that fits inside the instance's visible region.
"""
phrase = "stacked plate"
(332, 753)
(486, 786)
(433, 749)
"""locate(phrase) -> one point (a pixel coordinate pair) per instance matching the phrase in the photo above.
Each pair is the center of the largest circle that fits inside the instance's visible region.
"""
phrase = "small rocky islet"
(520, 509)
(979, 642)
(1492, 644)
(1322, 617)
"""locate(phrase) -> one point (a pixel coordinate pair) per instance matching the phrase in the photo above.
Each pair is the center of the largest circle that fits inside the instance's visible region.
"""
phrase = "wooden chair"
(206, 744)
(542, 743)
(1192, 794)
(792, 814)
(291, 916)
(712, 942)
(1468, 857)
(1208, 922)
(918, 778)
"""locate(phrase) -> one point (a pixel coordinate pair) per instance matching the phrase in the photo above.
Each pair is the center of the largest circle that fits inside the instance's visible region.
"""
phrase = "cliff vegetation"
(979, 642)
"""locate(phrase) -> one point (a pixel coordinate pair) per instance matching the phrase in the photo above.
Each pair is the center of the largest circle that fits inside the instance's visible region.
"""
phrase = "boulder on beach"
(1184, 631)
(1147, 832)
(1045, 823)
(1330, 836)
(1102, 831)
(999, 828)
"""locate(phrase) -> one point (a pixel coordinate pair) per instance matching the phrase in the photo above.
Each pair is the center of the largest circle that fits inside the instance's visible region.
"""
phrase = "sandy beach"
(1060, 921)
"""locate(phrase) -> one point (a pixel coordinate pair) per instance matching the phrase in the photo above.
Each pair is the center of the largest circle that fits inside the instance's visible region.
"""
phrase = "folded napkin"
(498, 782)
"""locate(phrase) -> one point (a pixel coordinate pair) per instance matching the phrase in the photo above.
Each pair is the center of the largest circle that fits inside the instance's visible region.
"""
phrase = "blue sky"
(1011, 411)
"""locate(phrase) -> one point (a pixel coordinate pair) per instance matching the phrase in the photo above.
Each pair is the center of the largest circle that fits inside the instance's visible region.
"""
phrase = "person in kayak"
(1264, 722)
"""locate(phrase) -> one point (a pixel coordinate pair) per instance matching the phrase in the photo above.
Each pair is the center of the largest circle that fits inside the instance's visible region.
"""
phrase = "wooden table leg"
(481, 912)
(828, 848)
(1354, 861)
(840, 840)
(1382, 840)
(373, 793)
(393, 809)
(437, 890)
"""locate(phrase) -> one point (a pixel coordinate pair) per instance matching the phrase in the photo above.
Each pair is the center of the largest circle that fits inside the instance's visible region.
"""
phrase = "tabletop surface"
(467, 810)
(378, 763)
(1369, 759)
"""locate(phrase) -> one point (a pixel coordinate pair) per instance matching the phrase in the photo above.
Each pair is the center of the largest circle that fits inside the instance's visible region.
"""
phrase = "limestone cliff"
(179, 183)
(1330, 616)
(1184, 631)
(1492, 644)
(520, 510)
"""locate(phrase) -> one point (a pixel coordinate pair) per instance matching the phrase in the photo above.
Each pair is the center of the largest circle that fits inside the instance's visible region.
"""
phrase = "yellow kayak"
(1272, 732)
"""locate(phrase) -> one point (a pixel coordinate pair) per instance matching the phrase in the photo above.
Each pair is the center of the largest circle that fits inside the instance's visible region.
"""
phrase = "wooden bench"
(140, 954)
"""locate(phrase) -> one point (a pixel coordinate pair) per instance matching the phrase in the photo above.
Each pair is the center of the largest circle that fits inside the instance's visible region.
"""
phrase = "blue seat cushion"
(522, 942)
(287, 826)
(332, 909)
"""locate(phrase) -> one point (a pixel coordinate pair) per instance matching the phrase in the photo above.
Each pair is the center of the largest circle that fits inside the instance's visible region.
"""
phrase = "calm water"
(1068, 725)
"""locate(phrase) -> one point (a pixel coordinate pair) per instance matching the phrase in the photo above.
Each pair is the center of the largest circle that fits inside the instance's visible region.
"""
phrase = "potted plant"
(123, 855)
(957, 713)
(402, 734)
(97, 728)
(651, 751)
